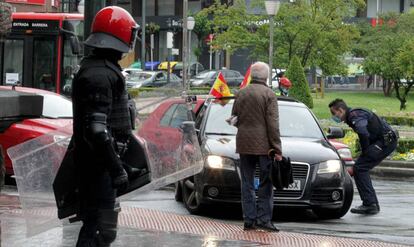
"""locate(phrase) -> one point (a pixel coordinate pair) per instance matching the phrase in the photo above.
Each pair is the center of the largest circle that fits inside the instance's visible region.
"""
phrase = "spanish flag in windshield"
(220, 88)
(247, 79)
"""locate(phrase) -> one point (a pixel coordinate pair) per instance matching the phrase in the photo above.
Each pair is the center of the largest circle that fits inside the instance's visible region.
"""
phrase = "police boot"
(87, 235)
(107, 227)
(363, 209)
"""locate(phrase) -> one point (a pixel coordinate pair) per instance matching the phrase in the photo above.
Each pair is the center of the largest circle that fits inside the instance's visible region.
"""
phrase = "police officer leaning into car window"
(102, 122)
(377, 140)
(257, 135)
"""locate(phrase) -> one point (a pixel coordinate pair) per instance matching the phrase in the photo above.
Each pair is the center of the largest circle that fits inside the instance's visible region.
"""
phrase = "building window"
(150, 8)
(166, 7)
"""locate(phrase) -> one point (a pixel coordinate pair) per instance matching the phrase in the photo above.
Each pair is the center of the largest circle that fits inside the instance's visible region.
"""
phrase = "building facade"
(35, 5)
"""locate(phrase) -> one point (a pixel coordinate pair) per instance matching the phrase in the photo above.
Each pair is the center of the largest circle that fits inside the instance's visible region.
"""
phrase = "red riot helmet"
(113, 28)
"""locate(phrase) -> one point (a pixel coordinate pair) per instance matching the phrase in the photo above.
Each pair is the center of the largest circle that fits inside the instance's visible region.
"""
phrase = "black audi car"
(321, 182)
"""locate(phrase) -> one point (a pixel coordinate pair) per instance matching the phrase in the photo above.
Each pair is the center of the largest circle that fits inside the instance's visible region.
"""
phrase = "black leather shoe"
(249, 226)
(268, 227)
(363, 209)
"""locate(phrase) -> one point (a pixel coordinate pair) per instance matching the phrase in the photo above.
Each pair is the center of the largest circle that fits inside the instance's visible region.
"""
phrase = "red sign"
(35, 2)
(209, 38)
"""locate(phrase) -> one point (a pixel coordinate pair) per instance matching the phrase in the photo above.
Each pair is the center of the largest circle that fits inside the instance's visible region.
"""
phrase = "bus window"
(70, 61)
(13, 58)
(44, 63)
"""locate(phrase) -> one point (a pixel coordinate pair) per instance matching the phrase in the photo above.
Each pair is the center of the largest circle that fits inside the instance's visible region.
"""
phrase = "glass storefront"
(12, 63)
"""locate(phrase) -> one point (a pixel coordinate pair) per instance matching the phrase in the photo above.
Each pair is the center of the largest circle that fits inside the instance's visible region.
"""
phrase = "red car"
(30, 113)
(163, 124)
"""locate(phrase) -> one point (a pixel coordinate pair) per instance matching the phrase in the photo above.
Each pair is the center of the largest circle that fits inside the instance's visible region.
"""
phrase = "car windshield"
(55, 106)
(205, 74)
(140, 76)
(289, 117)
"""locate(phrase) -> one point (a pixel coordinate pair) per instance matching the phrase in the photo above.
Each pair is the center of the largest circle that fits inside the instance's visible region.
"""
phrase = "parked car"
(34, 112)
(164, 65)
(2, 169)
(207, 78)
(321, 182)
(194, 69)
(130, 72)
(152, 79)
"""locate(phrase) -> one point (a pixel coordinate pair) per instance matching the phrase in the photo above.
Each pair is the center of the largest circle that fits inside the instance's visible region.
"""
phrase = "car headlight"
(345, 153)
(330, 166)
(218, 162)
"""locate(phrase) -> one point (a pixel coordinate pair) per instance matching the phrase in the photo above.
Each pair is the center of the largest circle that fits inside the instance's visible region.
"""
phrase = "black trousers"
(97, 204)
(375, 153)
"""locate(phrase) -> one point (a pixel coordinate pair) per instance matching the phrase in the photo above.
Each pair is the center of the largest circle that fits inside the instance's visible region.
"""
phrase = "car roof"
(280, 99)
(27, 90)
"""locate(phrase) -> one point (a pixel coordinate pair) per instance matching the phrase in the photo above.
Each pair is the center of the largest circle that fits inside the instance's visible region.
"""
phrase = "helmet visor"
(134, 33)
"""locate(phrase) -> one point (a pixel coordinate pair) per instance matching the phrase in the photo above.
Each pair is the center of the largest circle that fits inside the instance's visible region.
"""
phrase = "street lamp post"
(272, 7)
(190, 27)
(184, 50)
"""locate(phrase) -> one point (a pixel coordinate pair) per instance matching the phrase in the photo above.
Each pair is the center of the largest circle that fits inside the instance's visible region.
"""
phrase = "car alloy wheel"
(190, 196)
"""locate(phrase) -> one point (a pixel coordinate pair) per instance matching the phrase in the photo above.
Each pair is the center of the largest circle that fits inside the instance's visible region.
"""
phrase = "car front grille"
(300, 172)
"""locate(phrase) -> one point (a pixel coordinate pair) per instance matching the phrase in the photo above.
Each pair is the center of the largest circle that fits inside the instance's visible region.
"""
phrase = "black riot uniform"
(102, 125)
(377, 140)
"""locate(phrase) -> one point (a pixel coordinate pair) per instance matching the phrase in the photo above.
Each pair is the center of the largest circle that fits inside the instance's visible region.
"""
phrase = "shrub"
(405, 145)
(300, 87)
(397, 120)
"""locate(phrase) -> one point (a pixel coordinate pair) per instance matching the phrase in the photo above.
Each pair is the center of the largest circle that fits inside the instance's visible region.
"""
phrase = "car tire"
(178, 192)
(190, 196)
(324, 213)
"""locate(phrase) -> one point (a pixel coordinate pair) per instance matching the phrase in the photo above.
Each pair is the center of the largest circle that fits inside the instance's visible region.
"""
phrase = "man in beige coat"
(258, 135)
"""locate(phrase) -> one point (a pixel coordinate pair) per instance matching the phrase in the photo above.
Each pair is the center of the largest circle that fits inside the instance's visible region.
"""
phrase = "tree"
(202, 28)
(312, 30)
(300, 88)
(389, 52)
(231, 25)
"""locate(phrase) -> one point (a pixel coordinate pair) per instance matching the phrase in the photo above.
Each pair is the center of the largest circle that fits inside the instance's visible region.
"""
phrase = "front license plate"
(296, 185)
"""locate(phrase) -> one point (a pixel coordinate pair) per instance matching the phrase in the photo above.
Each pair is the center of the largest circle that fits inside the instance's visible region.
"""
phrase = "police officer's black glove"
(119, 178)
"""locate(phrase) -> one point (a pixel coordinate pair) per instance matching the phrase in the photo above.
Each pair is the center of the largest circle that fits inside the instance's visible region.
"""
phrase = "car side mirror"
(335, 133)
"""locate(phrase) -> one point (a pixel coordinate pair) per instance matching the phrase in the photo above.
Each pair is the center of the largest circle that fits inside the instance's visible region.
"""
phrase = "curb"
(394, 169)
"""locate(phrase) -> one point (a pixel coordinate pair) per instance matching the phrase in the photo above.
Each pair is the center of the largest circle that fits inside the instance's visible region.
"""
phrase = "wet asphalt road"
(395, 222)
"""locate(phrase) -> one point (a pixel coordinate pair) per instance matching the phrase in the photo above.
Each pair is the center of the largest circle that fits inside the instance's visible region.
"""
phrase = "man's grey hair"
(259, 72)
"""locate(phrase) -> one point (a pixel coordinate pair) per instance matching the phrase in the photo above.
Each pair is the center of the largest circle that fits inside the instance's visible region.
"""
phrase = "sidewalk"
(147, 227)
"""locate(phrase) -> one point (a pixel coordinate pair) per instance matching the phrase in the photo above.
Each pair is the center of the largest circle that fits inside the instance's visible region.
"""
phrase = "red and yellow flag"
(220, 88)
(247, 79)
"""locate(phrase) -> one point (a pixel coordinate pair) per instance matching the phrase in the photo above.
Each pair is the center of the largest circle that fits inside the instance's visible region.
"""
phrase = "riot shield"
(167, 158)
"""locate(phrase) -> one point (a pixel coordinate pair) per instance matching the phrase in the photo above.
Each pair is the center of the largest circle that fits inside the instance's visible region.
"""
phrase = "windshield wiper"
(219, 134)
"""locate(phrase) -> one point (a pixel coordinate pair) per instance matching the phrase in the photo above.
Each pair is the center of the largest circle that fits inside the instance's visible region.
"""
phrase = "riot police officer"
(377, 140)
(101, 123)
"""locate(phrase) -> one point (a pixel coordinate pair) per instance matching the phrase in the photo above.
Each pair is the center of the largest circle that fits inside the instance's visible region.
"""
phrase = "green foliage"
(397, 120)
(134, 92)
(231, 25)
(375, 101)
(300, 87)
(152, 28)
(405, 145)
(312, 30)
(388, 49)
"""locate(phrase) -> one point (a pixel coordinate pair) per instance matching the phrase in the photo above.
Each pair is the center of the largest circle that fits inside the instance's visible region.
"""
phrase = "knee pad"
(107, 226)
